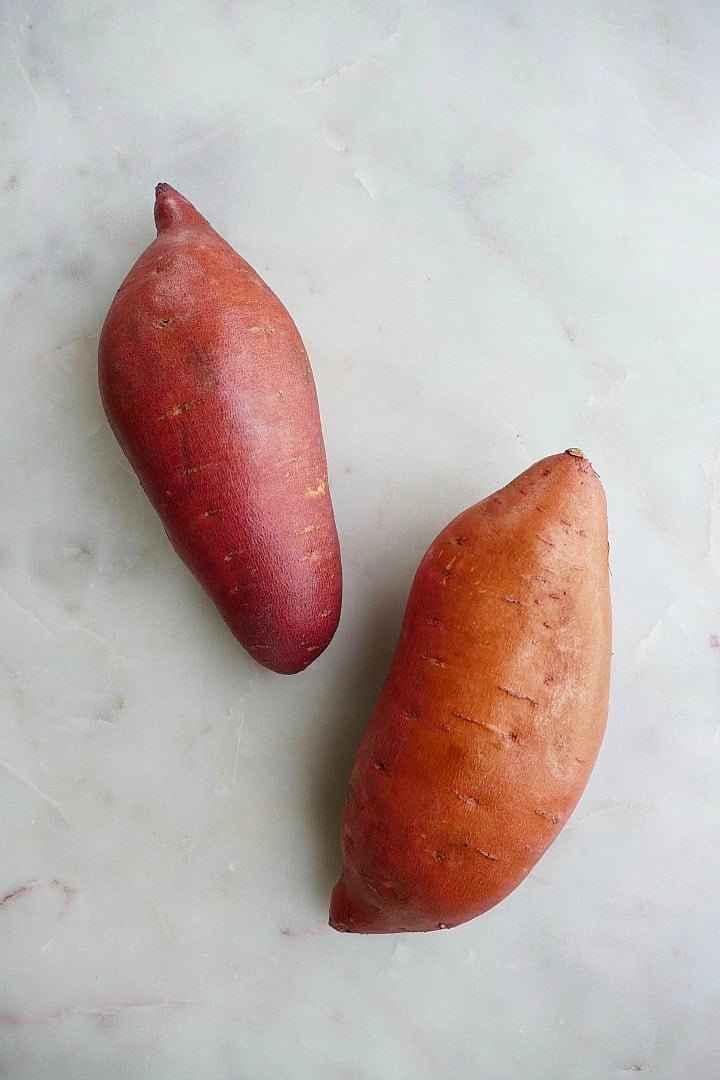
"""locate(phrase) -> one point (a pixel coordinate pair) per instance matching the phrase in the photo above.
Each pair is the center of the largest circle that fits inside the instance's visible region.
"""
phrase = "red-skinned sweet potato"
(206, 383)
(493, 712)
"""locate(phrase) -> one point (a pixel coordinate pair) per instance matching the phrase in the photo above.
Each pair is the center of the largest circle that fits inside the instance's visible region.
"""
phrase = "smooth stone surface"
(498, 230)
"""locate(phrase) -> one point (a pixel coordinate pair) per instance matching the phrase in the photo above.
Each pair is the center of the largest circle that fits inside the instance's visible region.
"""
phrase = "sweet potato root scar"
(511, 736)
(486, 854)
(500, 596)
(521, 697)
(469, 800)
(162, 323)
(262, 328)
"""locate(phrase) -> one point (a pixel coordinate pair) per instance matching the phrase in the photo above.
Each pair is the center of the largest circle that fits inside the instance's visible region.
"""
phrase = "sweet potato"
(493, 712)
(208, 388)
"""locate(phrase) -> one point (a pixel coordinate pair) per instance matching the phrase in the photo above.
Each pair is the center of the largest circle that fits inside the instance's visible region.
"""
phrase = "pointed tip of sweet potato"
(172, 208)
(349, 917)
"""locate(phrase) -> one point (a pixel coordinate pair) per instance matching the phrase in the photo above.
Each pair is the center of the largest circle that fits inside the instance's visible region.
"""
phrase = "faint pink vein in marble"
(33, 886)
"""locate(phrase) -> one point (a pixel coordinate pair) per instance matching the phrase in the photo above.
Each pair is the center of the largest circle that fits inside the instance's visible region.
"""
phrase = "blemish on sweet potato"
(178, 410)
(311, 556)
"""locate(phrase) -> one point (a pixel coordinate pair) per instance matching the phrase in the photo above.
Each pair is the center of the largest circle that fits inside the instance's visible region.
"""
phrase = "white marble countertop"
(498, 229)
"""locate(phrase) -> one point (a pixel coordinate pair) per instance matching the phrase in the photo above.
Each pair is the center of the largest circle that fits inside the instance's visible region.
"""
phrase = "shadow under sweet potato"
(351, 701)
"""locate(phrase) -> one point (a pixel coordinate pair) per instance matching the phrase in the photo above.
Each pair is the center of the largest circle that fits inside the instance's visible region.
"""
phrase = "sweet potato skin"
(207, 386)
(493, 712)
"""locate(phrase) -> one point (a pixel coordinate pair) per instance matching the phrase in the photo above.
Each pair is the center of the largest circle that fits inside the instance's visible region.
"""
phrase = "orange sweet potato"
(493, 712)
(208, 388)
